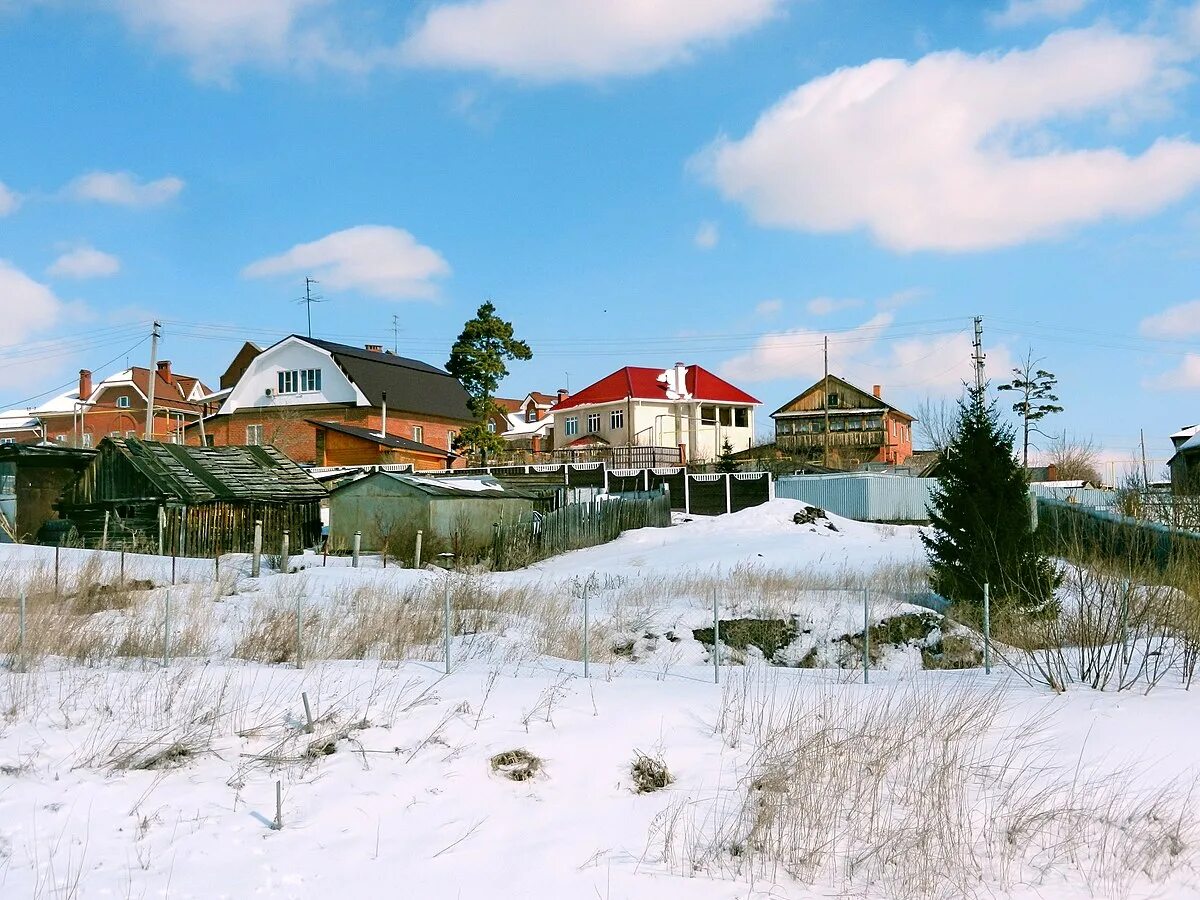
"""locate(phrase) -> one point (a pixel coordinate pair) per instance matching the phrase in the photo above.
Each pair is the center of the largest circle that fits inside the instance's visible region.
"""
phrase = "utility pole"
(395, 334)
(826, 463)
(155, 334)
(978, 354)
(1145, 467)
(309, 299)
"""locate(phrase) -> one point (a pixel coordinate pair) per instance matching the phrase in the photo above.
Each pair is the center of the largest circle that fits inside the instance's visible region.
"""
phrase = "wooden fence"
(576, 526)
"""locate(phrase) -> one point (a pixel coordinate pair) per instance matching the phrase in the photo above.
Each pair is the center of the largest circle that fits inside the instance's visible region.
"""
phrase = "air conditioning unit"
(269, 392)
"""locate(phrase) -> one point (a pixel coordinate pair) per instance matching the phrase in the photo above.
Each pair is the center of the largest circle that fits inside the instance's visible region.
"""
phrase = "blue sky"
(631, 181)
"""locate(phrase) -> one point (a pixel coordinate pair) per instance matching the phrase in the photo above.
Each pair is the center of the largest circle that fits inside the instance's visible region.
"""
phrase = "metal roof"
(384, 440)
(479, 487)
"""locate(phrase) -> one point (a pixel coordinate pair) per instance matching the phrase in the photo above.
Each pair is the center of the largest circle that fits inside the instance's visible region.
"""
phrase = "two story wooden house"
(863, 427)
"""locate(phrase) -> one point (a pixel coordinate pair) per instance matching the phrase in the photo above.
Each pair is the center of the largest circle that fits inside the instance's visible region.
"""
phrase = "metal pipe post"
(355, 549)
(21, 626)
(417, 552)
(256, 560)
(716, 641)
(447, 628)
(167, 631)
(299, 631)
(866, 636)
(987, 629)
(284, 554)
(586, 646)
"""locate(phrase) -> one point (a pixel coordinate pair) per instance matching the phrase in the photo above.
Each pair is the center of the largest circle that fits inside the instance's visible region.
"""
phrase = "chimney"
(375, 348)
(681, 378)
(535, 444)
(877, 390)
(562, 395)
(85, 384)
(164, 371)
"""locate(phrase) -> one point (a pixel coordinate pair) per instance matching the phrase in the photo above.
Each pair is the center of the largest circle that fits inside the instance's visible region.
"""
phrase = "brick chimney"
(877, 390)
(374, 348)
(85, 384)
(164, 371)
(562, 394)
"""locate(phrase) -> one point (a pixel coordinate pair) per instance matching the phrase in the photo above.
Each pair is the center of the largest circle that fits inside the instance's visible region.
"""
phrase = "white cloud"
(708, 235)
(124, 189)
(1022, 12)
(26, 306)
(375, 259)
(84, 262)
(866, 355)
(823, 306)
(1181, 321)
(950, 152)
(556, 40)
(768, 308)
(217, 35)
(9, 200)
(1185, 376)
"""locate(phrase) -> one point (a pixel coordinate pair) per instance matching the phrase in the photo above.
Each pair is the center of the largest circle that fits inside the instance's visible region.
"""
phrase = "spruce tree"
(981, 528)
(726, 462)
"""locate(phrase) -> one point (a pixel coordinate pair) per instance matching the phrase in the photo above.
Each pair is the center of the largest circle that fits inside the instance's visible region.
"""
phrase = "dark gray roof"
(203, 474)
(385, 440)
(411, 385)
(447, 487)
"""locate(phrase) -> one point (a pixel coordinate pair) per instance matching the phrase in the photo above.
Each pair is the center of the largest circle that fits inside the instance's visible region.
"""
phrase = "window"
(130, 434)
(616, 419)
(835, 399)
(784, 427)
(116, 434)
(450, 436)
(836, 425)
(254, 435)
(4, 442)
(123, 402)
(593, 423)
(571, 426)
(741, 417)
(854, 424)
(419, 434)
(60, 438)
(708, 414)
(299, 380)
(874, 423)
(725, 415)
(531, 414)
(87, 439)
(491, 426)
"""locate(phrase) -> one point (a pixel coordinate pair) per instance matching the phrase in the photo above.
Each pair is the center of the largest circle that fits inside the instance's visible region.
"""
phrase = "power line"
(16, 403)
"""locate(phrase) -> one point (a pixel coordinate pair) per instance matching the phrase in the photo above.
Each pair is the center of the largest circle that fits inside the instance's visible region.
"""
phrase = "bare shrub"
(649, 773)
(516, 765)
(918, 792)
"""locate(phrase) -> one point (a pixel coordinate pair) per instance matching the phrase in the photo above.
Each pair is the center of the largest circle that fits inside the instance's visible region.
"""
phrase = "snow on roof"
(1191, 443)
(520, 428)
(1186, 432)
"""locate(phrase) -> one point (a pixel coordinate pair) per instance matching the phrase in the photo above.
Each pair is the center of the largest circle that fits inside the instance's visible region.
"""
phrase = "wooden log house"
(156, 497)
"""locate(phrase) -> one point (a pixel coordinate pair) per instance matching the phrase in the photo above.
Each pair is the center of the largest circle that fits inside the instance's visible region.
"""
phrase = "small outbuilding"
(32, 479)
(455, 514)
(193, 501)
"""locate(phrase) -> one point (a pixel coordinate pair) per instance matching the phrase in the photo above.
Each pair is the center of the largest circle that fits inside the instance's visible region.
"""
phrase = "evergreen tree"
(479, 360)
(1035, 387)
(980, 518)
(726, 462)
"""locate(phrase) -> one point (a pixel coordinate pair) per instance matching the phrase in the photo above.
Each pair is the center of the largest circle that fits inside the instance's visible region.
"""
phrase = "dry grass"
(649, 773)
(919, 792)
(516, 765)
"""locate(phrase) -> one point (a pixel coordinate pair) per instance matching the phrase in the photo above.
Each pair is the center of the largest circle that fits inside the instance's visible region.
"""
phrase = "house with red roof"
(684, 406)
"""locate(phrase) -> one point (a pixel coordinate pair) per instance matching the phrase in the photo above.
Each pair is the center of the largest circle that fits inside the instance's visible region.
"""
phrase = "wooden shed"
(193, 501)
(32, 479)
(454, 513)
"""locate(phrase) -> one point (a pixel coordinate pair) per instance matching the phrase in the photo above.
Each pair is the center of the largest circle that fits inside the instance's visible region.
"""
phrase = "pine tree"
(980, 518)
(1035, 387)
(726, 461)
(478, 360)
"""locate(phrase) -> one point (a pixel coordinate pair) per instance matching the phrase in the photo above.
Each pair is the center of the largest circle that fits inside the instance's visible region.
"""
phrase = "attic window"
(123, 402)
(835, 399)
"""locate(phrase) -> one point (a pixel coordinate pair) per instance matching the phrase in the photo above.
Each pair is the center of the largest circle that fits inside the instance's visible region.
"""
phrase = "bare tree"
(936, 423)
(1076, 459)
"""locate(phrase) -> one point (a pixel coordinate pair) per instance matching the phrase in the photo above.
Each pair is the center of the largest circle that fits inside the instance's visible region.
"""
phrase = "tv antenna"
(310, 298)
(396, 329)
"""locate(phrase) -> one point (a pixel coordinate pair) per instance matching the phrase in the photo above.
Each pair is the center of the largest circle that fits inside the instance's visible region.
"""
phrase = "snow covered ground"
(122, 778)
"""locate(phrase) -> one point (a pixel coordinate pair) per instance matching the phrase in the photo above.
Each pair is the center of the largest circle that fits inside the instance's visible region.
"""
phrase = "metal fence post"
(866, 636)
(357, 545)
(21, 629)
(446, 635)
(167, 631)
(172, 568)
(300, 631)
(417, 551)
(284, 554)
(57, 589)
(716, 641)
(122, 567)
(256, 560)
(987, 629)
(586, 646)
(1125, 624)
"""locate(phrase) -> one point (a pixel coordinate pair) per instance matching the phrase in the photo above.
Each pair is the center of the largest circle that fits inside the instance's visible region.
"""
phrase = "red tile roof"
(640, 383)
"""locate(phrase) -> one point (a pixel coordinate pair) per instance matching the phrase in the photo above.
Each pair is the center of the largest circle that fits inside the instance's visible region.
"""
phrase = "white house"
(684, 406)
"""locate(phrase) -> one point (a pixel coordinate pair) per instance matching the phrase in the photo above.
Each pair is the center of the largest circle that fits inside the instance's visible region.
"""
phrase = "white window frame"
(593, 423)
(571, 426)
(123, 402)
(491, 426)
(616, 419)
(418, 434)
(254, 435)
(450, 436)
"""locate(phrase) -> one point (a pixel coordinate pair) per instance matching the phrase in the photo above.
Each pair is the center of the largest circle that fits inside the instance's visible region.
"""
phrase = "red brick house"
(114, 407)
(863, 427)
(315, 400)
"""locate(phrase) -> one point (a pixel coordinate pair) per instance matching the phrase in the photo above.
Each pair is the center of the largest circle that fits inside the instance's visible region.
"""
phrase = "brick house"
(530, 423)
(863, 428)
(113, 407)
(300, 392)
